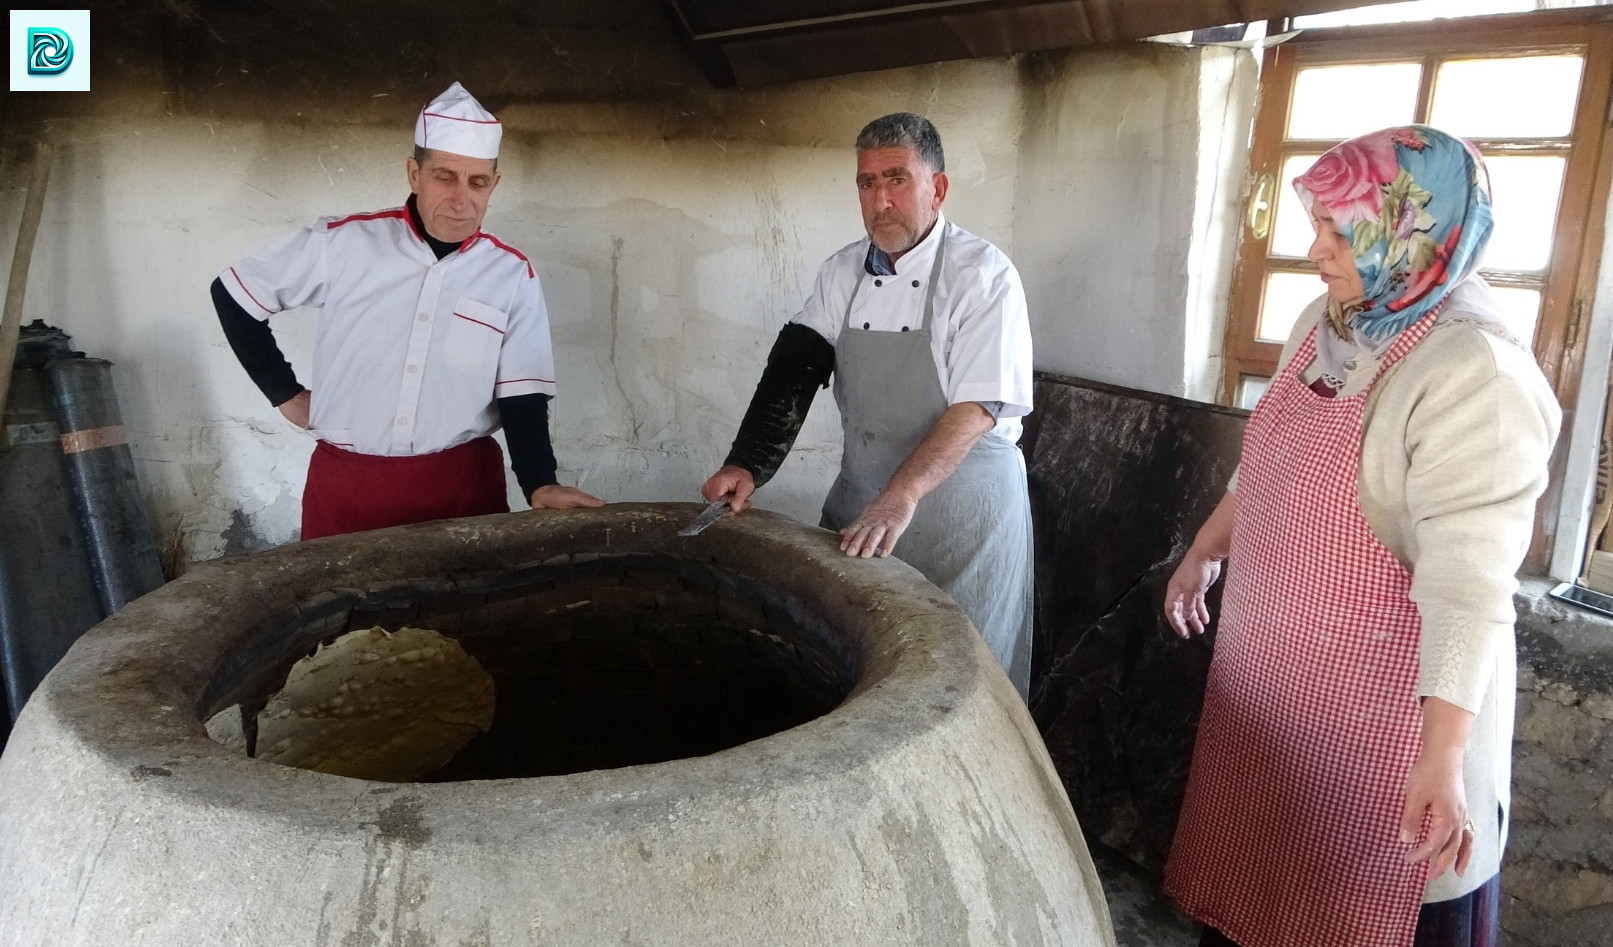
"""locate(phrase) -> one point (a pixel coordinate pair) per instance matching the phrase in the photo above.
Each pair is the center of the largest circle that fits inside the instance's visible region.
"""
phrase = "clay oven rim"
(130, 689)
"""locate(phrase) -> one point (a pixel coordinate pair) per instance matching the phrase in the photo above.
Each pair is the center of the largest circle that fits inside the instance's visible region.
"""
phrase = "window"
(1419, 10)
(1531, 91)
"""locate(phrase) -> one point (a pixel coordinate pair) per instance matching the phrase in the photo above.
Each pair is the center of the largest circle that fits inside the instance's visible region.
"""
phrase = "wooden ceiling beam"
(764, 42)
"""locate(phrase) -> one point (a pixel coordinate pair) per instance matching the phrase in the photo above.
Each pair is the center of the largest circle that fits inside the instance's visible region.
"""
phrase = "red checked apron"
(1290, 832)
(348, 492)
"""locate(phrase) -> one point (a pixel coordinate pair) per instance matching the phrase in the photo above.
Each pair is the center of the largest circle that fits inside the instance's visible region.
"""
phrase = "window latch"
(1260, 205)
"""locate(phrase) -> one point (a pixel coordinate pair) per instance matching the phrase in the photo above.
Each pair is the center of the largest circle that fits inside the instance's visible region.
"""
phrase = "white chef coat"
(980, 334)
(410, 352)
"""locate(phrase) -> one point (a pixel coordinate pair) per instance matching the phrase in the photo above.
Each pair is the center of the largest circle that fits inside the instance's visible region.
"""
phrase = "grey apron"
(972, 534)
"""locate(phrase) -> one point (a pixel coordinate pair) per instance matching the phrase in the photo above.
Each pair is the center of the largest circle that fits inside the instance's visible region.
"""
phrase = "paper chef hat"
(456, 122)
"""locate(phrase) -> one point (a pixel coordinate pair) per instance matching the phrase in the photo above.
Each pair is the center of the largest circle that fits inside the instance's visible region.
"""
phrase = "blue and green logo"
(50, 51)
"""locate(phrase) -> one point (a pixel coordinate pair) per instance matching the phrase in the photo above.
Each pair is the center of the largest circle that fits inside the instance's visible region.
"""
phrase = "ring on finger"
(1468, 827)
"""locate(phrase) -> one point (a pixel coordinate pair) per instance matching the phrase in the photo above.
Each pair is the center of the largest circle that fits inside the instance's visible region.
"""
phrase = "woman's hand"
(1434, 786)
(1184, 597)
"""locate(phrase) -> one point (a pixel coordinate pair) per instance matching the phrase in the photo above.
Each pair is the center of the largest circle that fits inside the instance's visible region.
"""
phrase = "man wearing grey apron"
(923, 327)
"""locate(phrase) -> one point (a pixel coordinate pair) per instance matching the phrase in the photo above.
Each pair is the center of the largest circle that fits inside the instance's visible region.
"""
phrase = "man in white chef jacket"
(924, 330)
(432, 333)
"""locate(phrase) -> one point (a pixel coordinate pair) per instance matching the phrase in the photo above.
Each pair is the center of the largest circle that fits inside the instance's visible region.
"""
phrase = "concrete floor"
(1143, 917)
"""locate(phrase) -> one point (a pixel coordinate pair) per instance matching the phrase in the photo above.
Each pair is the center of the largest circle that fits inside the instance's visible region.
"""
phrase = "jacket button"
(865, 325)
(915, 284)
(879, 282)
(904, 328)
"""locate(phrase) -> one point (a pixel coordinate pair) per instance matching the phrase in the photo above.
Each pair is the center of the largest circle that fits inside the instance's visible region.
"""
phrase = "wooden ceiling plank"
(917, 33)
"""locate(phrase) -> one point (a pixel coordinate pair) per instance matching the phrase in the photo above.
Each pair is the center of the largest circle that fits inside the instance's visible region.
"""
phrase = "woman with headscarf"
(1349, 786)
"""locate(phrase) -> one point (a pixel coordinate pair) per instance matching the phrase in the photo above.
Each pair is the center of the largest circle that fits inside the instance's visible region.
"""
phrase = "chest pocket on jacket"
(475, 334)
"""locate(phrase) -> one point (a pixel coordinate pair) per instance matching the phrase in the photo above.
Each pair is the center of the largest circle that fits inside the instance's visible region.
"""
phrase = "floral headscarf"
(1414, 203)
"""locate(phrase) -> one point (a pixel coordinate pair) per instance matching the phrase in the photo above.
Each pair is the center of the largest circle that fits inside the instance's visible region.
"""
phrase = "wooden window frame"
(1571, 274)
(1577, 245)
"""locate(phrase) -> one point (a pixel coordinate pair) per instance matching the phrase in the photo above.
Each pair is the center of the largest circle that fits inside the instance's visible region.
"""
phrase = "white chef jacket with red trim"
(410, 352)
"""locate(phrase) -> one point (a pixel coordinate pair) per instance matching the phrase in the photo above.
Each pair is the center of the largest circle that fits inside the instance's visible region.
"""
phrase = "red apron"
(349, 492)
(1290, 831)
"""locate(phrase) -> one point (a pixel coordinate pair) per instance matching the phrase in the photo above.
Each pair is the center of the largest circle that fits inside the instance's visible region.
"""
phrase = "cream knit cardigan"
(1454, 454)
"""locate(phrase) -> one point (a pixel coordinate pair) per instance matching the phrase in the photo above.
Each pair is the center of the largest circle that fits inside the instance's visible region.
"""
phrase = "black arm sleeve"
(526, 430)
(254, 345)
(800, 363)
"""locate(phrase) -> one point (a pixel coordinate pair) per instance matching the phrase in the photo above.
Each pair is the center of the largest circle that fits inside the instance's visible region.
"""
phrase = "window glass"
(1520, 309)
(1291, 232)
(1339, 102)
(1525, 191)
(1412, 10)
(1287, 295)
(1526, 97)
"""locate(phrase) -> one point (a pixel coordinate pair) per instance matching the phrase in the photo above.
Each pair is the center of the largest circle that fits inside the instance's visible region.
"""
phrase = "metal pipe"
(123, 552)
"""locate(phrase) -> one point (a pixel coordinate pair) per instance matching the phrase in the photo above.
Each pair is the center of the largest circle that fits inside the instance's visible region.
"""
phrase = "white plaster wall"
(668, 263)
(1131, 162)
(1228, 87)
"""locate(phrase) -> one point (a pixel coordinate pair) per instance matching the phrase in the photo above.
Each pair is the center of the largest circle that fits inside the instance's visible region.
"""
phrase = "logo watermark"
(50, 50)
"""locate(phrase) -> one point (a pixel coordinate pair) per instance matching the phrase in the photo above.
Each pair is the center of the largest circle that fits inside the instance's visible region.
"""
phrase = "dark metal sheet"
(1120, 481)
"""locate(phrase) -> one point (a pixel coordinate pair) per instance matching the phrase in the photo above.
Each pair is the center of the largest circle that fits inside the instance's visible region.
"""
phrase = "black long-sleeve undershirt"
(800, 363)
(253, 343)
(526, 431)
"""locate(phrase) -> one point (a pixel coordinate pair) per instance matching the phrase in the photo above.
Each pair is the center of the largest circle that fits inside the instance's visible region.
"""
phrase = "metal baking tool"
(709, 515)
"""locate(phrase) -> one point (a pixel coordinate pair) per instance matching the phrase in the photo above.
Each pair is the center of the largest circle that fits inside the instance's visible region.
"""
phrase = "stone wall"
(1558, 875)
